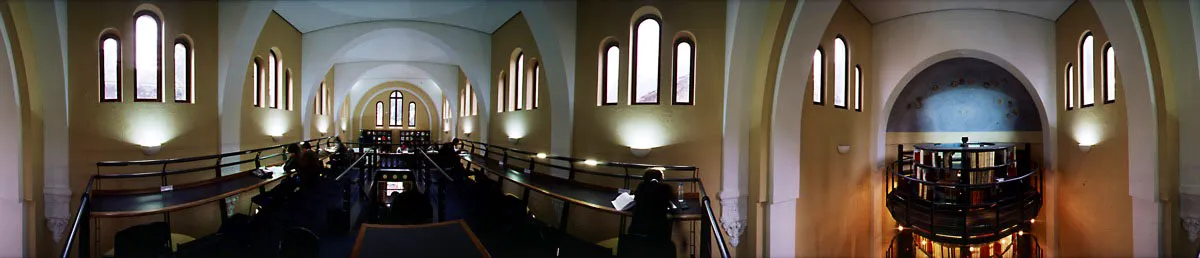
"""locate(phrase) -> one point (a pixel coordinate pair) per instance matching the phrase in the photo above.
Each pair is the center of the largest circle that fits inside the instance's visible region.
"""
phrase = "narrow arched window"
(110, 68)
(1110, 74)
(395, 100)
(646, 37)
(535, 81)
(257, 81)
(858, 88)
(1070, 86)
(1087, 65)
(183, 71)
(841, 62)
(412, 114)
(272, 79)
(462, 102)
(500, 95)
(325, 99)
(445, 115)
(685, 66)
(379, 114)
(474, 107)
(818, 75)
(518, 86)
(320, 100)
(147, 56)
(609, 74)
(287, 90)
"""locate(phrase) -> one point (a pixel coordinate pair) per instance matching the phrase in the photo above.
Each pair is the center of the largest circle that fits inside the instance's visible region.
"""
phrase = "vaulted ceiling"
(883, 10)
(480, 15)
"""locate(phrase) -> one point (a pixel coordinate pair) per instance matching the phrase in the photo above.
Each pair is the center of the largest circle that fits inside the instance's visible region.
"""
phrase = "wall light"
(151, 150)
(591, 162)
(541, 155)
(514, 141)
(1085, 147)
(843, 148)
(276, 138)
(639, 152)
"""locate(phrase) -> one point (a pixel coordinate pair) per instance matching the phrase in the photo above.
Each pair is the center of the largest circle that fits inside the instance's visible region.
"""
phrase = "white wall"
(12, 219)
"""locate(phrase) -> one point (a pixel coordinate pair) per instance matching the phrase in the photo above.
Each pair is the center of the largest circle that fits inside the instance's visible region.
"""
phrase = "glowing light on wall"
(323, 124)
(516, 126)
(642, 132)
(149, 128)
(276, 124)
(1088, 132)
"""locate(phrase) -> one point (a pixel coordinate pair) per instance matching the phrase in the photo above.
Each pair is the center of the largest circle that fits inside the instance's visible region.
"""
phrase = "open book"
(623, 201)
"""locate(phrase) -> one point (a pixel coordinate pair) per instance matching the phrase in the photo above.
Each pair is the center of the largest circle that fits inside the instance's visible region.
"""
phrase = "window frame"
(845, 71)
(858, 85)
(396, 115)
(675, 72)
(1088, 37)
(1070, 86)
(633, 60)
(257, 67)
(1110, 77)
(287, 89)
(818, 83)
(189, 69)
(273, 62)
(518, 92)
(604, 65)
(116, 38)
(159, 61)
(535, 85)
(320, 100)
(502, 90)
(412, 114)
(379, 114)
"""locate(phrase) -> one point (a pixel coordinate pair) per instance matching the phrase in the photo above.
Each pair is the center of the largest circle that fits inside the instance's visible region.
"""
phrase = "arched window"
(257, 82)
(320, 101)
(1070, 86)
(273, 79)
(474, 107)
(183, 71)
(646, 37)
(500, 95)
(110, 68)
(379, 114)
(858, 88)
(841, 61)
(287, 90)
(609, 74)
(412, 114)
(535, 81)
(395, 100)
(518, 87)
(462, 102)
(685, 65)
(326, 101)
(818, 75)
(445, 115)
(147, 56)
(1087, 65)
(1110, 74)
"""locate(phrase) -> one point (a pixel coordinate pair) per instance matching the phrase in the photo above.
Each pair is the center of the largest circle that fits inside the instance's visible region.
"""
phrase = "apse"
(964, 95)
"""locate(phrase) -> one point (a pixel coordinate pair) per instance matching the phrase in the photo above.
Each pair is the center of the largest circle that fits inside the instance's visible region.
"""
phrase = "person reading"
(650, 231)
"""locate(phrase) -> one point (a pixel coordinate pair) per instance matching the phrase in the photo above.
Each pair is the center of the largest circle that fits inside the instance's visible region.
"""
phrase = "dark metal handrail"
(435, 165)
(598, 163)
(84, 207)
(189, 159)
(344, 172)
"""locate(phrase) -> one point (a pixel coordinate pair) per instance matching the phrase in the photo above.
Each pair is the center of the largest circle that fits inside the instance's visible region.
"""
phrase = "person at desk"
(306, 164)
(650, 231)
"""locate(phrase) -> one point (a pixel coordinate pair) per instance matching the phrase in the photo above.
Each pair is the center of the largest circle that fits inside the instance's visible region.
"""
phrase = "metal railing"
(80, 232)
(709, 222)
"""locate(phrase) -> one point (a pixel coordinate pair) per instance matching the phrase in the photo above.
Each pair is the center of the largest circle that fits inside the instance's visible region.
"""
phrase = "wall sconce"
(843, 148)
(591, 162)
(639, 153)
(1085, 147)
(514, 141)
(541, 155)
(276, 138)
(151, 150)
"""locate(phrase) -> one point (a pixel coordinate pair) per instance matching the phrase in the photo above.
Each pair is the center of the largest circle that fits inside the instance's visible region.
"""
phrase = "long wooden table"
(583, 194)
(137, 202)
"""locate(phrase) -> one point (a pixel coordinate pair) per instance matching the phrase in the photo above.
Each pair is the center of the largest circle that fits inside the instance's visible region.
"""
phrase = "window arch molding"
(609, 71)
(158, 51)
(188, 69)
(651, 83)
(106, 77)
(688, 98)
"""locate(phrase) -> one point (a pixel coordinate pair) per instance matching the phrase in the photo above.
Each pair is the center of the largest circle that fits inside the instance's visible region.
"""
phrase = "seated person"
(651, 227)
(308, 167)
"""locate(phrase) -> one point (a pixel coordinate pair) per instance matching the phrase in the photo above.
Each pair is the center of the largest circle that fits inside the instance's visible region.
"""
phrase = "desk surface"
(446, 239)
(119, 203)
(583, 194)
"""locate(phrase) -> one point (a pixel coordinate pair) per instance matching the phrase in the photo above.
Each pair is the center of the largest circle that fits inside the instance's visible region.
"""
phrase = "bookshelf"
(414, 138)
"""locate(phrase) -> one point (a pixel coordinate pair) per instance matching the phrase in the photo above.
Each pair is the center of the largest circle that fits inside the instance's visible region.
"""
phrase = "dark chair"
(299, 242)
(146, 240)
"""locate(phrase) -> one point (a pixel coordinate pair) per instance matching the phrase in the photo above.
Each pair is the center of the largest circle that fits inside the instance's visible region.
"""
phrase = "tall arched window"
(500, 95)
(535, 84)
(1110, 74)
(516, 92)
(646, 37)
(818, 75)
(287, 90)
(183, 71)
(379, 114)
(1087, 65)
(272, 79)
(685, 66)
(858, 88)
(841, 62)
(445, 115)
(110, 68)
(258, 81)
(412, 114)
(320, 101)
(609, 74)
(474, 103)
(462, 102)
(395, 100)
(147, 56)
(1070, 86)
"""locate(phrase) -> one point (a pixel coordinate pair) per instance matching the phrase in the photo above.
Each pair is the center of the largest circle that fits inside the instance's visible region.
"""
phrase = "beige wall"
(29, 93)
(470, 123)
(322, 122)
(831, 218)
(1094, 207)
(258, 123)
(112, 131)
(531, 126)
(379, 93)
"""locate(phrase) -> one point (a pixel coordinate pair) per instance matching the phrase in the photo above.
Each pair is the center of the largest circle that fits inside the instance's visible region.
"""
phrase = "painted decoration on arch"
(964, 95)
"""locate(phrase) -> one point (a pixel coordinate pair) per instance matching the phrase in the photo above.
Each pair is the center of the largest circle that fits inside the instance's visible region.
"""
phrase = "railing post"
(705, 231)
(85, 229)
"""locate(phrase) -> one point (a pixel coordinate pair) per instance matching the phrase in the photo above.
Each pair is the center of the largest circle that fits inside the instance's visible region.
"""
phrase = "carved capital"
(58, 205)
(732, 219)
(1192, 225)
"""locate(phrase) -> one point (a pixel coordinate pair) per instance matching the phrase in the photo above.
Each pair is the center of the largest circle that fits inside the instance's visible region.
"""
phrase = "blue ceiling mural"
(964, 95)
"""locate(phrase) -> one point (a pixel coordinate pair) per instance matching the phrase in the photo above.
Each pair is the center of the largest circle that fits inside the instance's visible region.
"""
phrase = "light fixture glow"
(591, 162)
(639, 152)
(276, 138)
(843, 148)
(514, 140)
(541, 155)
(899, 228)
(151, 150)
(1085, 147)
(1032, 220)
